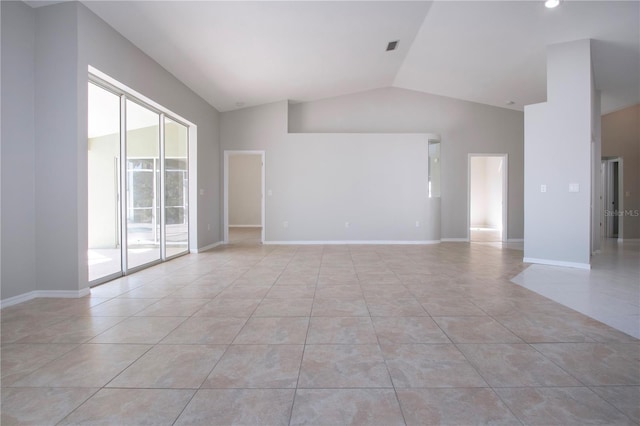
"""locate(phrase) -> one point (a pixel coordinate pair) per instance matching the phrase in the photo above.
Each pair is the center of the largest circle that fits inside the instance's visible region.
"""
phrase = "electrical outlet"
(543, 188)
(347, 224)
(209, 227)
(417, 224)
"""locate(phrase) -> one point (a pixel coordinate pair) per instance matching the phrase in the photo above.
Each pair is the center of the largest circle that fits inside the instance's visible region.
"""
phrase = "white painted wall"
(494, 191)
(558, 137)
(18, 240)
(486, 192)
(65, 39)
(465, 127)
(245, 190)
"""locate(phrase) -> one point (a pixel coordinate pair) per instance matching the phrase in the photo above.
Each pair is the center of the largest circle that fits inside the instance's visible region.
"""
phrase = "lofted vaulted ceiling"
(238, 53)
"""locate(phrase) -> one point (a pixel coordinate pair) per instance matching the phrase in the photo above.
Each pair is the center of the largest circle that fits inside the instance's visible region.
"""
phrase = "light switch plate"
(574, 187)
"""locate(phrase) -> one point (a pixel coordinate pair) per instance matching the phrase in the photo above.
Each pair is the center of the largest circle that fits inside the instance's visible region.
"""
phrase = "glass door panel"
(138, 185)
(176, 187)
(103, 178)
(142, 185)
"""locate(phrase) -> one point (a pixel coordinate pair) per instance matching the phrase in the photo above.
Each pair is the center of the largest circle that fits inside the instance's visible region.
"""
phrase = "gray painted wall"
(45, 56)
(465, 128)
(375, 182)
(18, 149)
(105, 49)
(317, 182)
(558, 137)
(59, 172)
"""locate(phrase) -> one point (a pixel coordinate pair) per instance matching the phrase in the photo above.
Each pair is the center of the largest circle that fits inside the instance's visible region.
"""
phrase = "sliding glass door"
(143, 185)
(138, 185)
(104, 256)
(176, 187)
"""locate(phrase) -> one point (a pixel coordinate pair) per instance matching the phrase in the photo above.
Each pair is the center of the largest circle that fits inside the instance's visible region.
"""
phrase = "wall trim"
(354, 242)
(515, 240)
(245, 226)
(557, 263)
(17, 299)
(454, 240)
(209, 247)
(61, 294)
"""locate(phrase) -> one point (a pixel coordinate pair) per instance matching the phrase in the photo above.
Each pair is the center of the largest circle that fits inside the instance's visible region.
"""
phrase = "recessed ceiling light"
(510, 103)
(392, 45)
(550, 4)
(239, 104)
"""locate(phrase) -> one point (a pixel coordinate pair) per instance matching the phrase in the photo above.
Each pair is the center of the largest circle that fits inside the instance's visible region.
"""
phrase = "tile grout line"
(304, 347)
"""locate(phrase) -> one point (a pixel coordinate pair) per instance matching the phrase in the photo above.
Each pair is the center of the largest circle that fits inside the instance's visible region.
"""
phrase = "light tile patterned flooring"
(277, 335)
(609, 292)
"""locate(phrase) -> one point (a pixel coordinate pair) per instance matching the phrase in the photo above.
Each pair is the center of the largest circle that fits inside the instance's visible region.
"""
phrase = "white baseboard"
(17, 299)
(455, 240)
(209, 247)
(515, 240)
(245, 226)
(66, 294)
(352, 242)
(620, 240)
(557, 263)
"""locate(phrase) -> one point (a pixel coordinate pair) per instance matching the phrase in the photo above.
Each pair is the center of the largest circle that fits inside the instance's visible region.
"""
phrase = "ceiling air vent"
(392, 45)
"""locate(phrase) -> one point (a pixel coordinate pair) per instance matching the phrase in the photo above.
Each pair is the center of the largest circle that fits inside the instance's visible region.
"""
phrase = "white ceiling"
(237, 53)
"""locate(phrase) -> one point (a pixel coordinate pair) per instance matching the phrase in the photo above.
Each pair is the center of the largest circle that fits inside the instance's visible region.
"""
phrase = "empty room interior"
(320, 212)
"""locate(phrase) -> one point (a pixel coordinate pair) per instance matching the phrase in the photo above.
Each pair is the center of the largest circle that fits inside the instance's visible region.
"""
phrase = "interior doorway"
(244, 203)
(487, 215)
(611, 199)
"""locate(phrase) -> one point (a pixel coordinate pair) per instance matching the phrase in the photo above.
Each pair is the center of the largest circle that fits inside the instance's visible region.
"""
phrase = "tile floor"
(277, 335)
(609, 292)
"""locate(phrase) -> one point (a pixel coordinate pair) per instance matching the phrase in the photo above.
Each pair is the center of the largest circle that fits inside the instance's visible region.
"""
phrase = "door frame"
(607, 196)
(227, 154)
(505, 192)
(125, 94)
